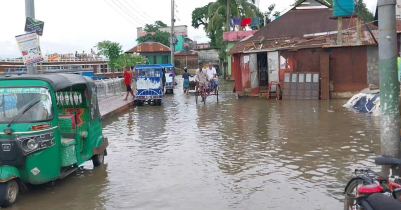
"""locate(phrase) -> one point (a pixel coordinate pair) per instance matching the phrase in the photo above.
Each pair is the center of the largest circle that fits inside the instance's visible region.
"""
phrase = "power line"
(120, 13)
(136, 20)
(134, 10)
(143, 12)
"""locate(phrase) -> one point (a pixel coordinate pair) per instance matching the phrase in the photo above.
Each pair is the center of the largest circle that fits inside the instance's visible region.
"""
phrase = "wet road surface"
(235, 154)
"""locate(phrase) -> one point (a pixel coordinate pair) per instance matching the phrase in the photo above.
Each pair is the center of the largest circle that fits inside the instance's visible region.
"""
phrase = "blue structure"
(170, 77)
(343, 8)
(149, 84)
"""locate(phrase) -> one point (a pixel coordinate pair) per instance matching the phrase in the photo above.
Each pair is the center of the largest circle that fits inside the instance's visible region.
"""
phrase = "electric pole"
(172, 33)
(30, 12)
(228, 16)
(389, 85)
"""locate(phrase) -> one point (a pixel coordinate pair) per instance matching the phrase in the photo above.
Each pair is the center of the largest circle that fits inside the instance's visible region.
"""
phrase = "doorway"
(262, 67)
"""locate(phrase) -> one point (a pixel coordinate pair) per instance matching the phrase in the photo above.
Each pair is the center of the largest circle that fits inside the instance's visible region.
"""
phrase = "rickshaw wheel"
(98, 159)
(217, 93)
(8, 193)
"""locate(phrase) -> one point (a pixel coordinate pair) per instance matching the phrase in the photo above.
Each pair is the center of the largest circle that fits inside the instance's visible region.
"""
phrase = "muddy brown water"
(235, 154)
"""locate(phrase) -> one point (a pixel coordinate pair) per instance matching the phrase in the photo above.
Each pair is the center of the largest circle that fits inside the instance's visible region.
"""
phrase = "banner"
(398, 9)
(30, 48)
(33, 25)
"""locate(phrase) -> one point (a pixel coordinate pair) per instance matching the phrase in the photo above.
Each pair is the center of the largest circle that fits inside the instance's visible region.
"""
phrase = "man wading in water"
(127, 80)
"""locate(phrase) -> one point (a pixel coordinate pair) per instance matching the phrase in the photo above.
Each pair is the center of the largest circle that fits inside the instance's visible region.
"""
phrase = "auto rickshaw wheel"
(98, 159)
(8, 193)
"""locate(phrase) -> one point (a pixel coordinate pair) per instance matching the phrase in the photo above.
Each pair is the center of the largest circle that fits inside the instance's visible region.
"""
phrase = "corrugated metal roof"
(149, 47)
(293, 26)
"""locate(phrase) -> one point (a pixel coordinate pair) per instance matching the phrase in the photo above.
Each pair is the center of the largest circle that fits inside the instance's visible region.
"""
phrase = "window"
(14, 101)
(166, 59)
(157, 73)
(154, 60)
(151, 73)
(143, 73)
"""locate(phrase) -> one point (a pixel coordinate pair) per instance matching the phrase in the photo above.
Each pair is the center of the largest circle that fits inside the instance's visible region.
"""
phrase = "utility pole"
(172, 32)
(228, 16)
(225, 72)
(389, 85)
(30, 12)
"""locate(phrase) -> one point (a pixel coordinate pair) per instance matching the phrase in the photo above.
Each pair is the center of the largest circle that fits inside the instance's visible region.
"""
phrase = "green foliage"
(268, 15)
(158, 36)
(155, 27)
(111, 50)
(362, 11)
(129, 60)
(154, 33)
(118, 59)
(213, 18)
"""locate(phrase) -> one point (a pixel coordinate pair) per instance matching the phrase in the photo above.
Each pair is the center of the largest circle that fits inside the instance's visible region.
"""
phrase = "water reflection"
(236, 154)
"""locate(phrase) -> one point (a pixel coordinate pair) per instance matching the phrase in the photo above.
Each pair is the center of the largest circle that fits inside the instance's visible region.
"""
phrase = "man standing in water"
(127, 80)
(186, 76)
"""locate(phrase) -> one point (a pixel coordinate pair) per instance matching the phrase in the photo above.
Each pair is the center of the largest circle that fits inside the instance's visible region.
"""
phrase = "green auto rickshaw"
(49, 125)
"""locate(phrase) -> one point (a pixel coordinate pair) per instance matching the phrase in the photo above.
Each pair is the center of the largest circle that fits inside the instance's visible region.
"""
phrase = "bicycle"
(363, 177)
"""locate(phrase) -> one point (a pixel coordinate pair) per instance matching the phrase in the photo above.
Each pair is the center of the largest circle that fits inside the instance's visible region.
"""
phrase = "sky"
(78, 25)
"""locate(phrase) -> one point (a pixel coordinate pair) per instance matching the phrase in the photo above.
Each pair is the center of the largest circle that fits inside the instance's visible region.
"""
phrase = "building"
(303, 43)
(155, 52)
(186, 59)
(231, 38)
(60, 62)
(181, 35)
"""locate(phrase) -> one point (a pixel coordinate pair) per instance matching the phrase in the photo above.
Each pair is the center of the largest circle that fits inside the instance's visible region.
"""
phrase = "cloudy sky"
(77, 25)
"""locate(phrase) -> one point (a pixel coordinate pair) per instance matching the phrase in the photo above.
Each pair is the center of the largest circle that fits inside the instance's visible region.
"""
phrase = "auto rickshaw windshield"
(13, 101)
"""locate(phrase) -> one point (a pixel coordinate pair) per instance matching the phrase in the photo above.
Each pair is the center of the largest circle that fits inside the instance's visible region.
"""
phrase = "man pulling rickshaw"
(205, 81)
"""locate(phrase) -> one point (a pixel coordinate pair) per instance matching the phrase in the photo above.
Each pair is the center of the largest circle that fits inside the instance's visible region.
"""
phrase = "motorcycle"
(373, 197)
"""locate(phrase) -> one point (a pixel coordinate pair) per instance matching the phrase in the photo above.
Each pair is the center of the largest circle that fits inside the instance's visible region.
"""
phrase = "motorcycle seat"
(387, 161)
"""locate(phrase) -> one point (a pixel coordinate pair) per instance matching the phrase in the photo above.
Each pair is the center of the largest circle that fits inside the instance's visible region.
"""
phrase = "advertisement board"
(30, 48)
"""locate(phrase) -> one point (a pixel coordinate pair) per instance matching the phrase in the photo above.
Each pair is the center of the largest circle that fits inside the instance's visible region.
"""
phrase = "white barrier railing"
(110, 87)
(16, 60)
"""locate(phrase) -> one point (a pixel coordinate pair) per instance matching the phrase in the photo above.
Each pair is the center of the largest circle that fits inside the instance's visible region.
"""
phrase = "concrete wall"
(373, 65)
(206, 56)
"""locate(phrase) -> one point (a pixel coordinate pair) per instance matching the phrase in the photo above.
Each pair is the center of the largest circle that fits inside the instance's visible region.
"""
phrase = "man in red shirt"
(127, 80)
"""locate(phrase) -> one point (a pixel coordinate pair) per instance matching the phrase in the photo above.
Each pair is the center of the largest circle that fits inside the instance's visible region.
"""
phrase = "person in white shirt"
(211, 71)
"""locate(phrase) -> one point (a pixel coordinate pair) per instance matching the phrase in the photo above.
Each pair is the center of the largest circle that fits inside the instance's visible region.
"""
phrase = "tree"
(111, 50)
(266, 15)
(155, 27)
(362, 11)
(158, 36)
(213, 18)
(129, 60)
(154, 33)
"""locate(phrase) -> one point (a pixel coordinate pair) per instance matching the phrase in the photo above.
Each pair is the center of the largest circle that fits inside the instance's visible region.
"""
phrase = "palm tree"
(238, 8)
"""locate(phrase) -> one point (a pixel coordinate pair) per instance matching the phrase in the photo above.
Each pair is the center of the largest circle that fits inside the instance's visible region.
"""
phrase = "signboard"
(30, 48)
(398, 9)
(33, 25)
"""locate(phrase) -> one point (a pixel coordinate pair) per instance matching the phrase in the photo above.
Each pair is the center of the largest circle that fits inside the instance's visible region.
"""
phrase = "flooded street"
(235, 154)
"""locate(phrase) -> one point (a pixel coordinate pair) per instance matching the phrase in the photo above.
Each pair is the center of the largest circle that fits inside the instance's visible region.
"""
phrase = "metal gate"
(301, 86)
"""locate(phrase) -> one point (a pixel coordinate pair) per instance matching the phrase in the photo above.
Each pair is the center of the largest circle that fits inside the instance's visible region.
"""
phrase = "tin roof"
(299, 26)
(149, 47)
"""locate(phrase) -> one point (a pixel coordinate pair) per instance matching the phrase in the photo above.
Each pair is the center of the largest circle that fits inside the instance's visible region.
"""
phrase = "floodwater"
(235, 154)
